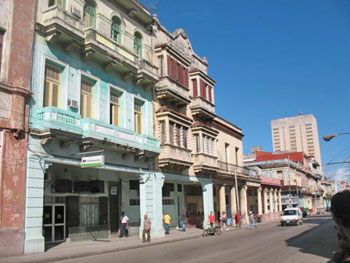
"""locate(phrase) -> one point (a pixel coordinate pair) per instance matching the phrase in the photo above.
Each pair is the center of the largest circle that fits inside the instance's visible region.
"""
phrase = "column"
(280, 200)
(266, 209)
(208, 202)
(222, 199)
(217, 197)
(259, 202)
(151, 185)
(243, 196)
(233, 202)
(34, 241)
(271, 201)
(275, 200)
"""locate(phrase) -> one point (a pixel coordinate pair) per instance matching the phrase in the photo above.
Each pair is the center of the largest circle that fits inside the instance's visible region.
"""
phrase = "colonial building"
(92, 82)
(16, 43)
(287, 179)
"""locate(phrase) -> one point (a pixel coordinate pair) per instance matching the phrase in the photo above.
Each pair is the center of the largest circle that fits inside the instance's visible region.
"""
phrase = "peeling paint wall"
(17, 20)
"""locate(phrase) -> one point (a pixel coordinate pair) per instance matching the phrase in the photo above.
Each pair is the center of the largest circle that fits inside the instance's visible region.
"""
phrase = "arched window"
(89, 13)
(138, 44)
(116, 29)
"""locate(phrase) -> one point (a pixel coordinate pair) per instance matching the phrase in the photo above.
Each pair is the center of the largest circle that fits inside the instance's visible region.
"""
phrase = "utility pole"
(237, 200)
(290, 191)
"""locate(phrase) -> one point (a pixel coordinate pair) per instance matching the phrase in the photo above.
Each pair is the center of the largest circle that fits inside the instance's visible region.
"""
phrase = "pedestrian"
(167, 221)
(183, 220)
(252, 220)
(211, 219)
(124, 220)
(237, 220)
(146, 229)
(223, 220)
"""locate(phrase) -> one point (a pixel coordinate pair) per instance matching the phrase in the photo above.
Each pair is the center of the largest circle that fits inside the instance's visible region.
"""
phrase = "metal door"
(54, 222)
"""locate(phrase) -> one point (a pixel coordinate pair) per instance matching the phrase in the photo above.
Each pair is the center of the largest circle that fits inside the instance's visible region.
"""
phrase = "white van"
(292, 215)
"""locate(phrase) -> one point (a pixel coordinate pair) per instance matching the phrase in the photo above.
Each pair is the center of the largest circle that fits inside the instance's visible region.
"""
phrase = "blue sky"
(272, 59)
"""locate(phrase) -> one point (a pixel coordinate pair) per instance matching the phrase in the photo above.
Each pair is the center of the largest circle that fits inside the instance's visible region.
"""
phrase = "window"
(171, 132)
(59, 3)
(89, 13)
(138, 116)
(162, 132)
(114, 106)
(52, 90)
(138, 44)
(116, 29)
(167, 188)
(134, 185)
(87, 98)
(197, 140)
(89, 215)
(134, 202)
(178, 135)
(184, 135)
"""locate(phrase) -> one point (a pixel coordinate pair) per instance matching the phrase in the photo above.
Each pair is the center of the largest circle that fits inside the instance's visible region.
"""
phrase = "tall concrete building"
(298, 133)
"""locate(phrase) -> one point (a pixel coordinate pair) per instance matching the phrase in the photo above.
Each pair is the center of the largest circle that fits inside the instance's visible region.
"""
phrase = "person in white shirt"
(123, 225)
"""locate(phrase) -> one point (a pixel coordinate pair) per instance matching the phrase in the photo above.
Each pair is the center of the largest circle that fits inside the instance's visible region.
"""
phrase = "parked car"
(292, 216)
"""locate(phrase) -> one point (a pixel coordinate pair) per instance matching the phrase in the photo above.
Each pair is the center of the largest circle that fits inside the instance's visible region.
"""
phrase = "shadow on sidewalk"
(320, 240)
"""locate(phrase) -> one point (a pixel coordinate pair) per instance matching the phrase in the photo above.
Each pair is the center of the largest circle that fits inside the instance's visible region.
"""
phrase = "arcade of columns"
(265, 205)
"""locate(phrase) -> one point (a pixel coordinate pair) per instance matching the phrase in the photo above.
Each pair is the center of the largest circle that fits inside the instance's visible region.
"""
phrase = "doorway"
(114, 192)
(54, 222)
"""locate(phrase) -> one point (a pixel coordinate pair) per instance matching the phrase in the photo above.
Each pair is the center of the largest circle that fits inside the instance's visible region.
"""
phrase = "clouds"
(341, 174)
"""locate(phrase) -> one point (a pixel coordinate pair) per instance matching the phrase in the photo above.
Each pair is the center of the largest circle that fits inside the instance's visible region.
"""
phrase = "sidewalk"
(70, 250)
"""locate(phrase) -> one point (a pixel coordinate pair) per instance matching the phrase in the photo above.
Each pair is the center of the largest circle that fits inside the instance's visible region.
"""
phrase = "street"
(314, 241)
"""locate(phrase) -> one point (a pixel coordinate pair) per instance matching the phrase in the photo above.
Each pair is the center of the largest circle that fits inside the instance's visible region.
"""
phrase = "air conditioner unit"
(76, 12)
(72, 104)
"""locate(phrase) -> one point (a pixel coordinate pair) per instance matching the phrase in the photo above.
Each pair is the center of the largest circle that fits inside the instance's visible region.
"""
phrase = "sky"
(273, 59)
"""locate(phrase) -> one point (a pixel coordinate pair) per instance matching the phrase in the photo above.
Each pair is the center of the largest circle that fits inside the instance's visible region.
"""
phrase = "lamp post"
(329, 137)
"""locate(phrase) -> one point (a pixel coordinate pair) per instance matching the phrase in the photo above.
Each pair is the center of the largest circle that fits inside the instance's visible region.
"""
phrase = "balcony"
(271, 181)
(204, 163)
(231, 169)
(60, 27)
(172, 92)
(52, 120)
(202, 108)
(174, 158)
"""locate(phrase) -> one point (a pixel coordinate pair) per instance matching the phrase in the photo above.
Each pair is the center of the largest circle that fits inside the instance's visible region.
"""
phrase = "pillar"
(280, 200)
(208, 202)
(271, 201)
(34, 241)
(222, 199)
(151, 185)
(259, 202)
(266, 209)
(217, 191)
(233, 202)
(244, 209)
(275, 200)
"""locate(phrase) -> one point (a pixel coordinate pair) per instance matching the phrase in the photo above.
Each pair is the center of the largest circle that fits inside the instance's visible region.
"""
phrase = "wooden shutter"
(54, 94)
(178, 135)
(194, 86)
(186, 78)
(184, 137)
(169, 65)
(47, 94)
(171, 132)
(210, 93)
(202, 86)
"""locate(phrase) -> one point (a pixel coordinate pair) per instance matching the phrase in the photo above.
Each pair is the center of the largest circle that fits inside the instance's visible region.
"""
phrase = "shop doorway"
(54, 223)
(114, 193)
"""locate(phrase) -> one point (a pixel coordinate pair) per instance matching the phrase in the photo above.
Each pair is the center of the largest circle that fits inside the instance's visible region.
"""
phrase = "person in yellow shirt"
(167, 221)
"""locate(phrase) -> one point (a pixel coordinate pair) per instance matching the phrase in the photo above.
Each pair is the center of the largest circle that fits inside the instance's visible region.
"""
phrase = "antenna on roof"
(152, 5)
(300, 112)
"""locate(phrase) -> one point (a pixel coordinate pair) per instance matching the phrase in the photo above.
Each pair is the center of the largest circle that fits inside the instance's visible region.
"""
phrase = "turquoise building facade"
(92, 98)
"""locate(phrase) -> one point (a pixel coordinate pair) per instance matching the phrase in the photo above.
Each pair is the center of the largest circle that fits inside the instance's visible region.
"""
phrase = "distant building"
(344, 186)
(298, 134)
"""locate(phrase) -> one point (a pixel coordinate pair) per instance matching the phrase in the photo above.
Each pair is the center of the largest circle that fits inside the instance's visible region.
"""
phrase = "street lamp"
(327, 138)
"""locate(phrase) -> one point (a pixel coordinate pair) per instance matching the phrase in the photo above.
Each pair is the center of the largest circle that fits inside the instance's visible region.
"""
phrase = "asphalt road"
(312, 242)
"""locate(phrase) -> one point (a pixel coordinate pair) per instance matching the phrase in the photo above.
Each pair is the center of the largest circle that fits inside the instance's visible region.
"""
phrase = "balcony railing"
(172, 153)
(271, 181)
(205, 160)
(167, 88)
(54, 118)
(198, 103)
(232, 169)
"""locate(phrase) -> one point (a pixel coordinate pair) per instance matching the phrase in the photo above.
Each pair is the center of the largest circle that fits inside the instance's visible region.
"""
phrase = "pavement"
(73, 250)
(93, 250)
(313, 242)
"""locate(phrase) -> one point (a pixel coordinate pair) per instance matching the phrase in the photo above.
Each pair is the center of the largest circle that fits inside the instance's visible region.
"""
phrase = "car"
(292, 216)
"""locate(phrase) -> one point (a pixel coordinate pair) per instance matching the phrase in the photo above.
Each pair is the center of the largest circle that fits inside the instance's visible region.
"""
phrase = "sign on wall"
(92, 161)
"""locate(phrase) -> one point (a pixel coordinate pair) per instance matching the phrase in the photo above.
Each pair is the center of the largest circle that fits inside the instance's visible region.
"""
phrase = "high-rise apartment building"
(297, 134)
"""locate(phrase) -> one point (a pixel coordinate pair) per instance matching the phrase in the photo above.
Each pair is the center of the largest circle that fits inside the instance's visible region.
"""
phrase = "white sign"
(114, 190)
(92, 161)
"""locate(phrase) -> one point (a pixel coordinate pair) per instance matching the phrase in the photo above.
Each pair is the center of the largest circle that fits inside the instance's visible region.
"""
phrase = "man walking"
(223, 220)
(146, 229)
(183, 220)
(211, 219)
(252, 220)
(123, 225)
(167, 221)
